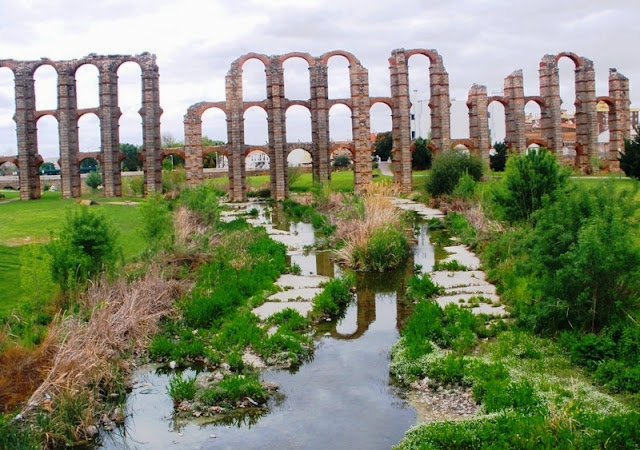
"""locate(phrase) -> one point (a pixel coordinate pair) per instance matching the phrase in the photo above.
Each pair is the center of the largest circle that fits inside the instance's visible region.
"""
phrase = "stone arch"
(538, 142)
(246, 57)
(173, 151)
(292, 81)
(307, 146)
(252, 104)
(293, 149)
(291, 103)
(572, 56)
(434, 57)
(40, 129)
(468, 143)
(349, 56)
(500, 125)
(90, 155)
(385, 100)
(343, 146)
(261, 159)
(9, 144)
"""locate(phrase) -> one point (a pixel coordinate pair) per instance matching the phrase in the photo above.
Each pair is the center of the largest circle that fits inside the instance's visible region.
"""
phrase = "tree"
(341, 162)
(448, 167)
(211, 159)
(170, 141)
(93, 180)
(383, 145)
(208, 142)
(47, 166)
(498, 160)
(421, 157)
(630, 158)
(131, 161)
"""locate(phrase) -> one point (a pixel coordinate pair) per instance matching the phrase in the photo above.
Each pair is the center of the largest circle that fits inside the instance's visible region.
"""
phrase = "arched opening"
(380, 118)
(172, 161)
(89, 133)
(298, 124)
(459, 119)
(254, 80)
(340, 125)
(603, 110)
(214, 134)
(49, 149)
(257, 163)
(87, 86)
(8, 137)
(567, 80)
(7, 169)
(130, 103)
(497, 122)
(296, 79)
(338, 77)
(532, 117)
(381, 126)
(300, 163)
(46, 88)
(256, 127)
(341, 157)
(89, 164)
(462, 148)
(419, 96)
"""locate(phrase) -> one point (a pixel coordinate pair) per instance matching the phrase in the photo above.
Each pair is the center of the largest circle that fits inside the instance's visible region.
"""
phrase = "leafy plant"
(447, 169)
(181, 389)
(93, 180)
(630, 158)
(498, 160)
(157, 222)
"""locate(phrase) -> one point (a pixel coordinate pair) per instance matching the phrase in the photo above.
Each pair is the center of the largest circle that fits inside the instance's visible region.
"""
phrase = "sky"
(481, 41)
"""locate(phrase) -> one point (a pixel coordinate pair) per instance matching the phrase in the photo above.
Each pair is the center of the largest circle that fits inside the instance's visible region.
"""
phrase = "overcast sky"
(481, 41)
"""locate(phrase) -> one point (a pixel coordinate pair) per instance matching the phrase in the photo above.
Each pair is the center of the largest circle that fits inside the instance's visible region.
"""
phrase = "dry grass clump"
(114, 318)
(360, 218)
(187, 225)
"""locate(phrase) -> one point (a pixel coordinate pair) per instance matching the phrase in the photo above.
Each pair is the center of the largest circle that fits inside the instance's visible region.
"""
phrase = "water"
(343, 398)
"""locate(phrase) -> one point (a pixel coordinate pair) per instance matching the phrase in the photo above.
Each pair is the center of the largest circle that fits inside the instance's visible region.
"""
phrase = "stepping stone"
(268, 309)
(295, 294)
(464, 256)
(482, 289)
(300, 281)
(448, 279)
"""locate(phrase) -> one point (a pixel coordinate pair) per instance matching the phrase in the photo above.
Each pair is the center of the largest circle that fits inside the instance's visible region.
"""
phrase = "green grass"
(25, 222)
(8, 194)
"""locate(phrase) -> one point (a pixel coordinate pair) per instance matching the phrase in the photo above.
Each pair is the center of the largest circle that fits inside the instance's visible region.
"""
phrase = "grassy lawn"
(7, 194)
(25, 222)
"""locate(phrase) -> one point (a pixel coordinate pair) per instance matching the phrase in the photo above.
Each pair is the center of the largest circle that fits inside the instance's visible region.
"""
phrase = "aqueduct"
(318, 104)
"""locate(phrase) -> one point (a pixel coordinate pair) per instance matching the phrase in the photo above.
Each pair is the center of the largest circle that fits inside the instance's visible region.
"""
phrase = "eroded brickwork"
(67, 114)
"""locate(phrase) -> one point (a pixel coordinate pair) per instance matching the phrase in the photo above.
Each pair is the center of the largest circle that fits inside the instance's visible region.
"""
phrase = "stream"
(342, 398)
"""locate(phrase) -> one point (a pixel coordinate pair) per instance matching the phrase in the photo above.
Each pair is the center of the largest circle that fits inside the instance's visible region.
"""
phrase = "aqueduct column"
(193, 147)
(515, 117)
(401, 124)
(151, 138)
(235, 133)
(68, 132)
(440, 105)
(109, 133)
(550, 120)
(619, 120)
(320, 120)
(586, 114)
(27, 133)
(361, 127)
(276, 118)
(478, 120)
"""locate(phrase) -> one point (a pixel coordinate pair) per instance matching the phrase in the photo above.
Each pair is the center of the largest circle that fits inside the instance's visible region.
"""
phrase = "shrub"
(173, 179)
(93, 180)
(233, 389)
(341, 162)
(630, 158)
(157, 223)
(528, 179)
(420, 287)
(36, 278)
(421, 156)
(466, 187)
(452, 265)
(181, 389)
(335, 296)
(133, 186)
(203, 200)
(85, 246)
(498, 160)
(447, 169)
(387, 248)
(293, 173)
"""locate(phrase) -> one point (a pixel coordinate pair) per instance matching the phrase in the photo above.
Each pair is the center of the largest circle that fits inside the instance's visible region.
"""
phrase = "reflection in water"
(343, 398)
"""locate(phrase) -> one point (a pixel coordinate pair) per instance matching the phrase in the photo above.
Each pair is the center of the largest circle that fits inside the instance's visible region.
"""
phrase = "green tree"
(528, 179)
(630, 158)
(211, 159)
(156, 222)
(47, 166)
(85, 246)
(498, 160)
(93, 180)
(341, 162)
(447, 169)
(131, 161)
(421, 157)
(383, 145)
(208, 142)
(170, 141)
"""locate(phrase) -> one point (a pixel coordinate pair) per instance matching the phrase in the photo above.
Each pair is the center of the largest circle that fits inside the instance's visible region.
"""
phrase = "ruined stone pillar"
(440, 105)
(550, 119)
(586, 111)
(109, 113)
(360, 126)
(619, 120)
(235, 134)
(515, 116)
(276, 108)
(151, 137)
(193, 147)
(479, 121)
(320, 121)
(68, 132)
(27, 133)
(400, 117)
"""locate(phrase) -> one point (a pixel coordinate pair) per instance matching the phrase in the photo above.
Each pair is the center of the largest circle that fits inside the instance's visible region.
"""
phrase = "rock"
(173, 365)
(226, 367)
(86, 202)
(91, 431)
(212, 436)
(269, 386)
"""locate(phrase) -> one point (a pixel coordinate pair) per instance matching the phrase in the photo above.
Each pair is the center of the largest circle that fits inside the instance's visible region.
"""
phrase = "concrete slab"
(464, 256)
(300, 281)
(448, 279)
(268, 309)
(307, 294)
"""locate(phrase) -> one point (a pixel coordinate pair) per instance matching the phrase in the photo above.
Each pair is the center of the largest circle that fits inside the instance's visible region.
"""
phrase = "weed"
(181, 389)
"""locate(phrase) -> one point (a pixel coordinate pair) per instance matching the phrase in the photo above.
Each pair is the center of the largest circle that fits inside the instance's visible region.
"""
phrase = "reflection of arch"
(572, 56)
(366, 304)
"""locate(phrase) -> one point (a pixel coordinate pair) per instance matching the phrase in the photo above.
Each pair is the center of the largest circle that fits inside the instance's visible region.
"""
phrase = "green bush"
(157, 223)
(466, 187)
(420, 287)
(173, 179)
(203, 200)
(630, 158)
(335, 296)
(233, 389)
(421, 156)
(181, 389)
(387, 248)
(341, 162)
(447, 169)
(93, 180)
(86, 246)
(528, 180)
